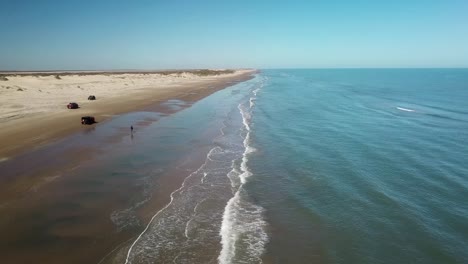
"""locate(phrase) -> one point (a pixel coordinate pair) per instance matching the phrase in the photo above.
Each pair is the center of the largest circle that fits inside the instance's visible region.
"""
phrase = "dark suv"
(72, 106)
(87, 120)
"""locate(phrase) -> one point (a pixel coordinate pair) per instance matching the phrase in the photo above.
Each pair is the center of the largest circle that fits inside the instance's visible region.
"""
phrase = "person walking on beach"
(131, 129)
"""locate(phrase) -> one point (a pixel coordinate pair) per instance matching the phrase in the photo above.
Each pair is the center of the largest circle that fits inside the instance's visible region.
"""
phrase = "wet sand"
(52, 211)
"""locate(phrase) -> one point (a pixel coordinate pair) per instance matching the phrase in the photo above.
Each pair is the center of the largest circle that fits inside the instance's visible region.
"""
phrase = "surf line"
(229, 220)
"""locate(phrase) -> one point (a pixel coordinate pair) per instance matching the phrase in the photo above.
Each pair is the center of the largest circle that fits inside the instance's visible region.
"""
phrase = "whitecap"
(405, 109)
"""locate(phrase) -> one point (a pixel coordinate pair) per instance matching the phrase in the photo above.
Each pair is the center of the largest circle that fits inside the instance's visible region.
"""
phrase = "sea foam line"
(127, 260)
(187, 225)
(228, 238)
(230, 217)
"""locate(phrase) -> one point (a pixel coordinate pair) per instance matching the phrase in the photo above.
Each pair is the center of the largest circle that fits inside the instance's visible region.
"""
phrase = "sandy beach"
(33, 104)
(55, 201)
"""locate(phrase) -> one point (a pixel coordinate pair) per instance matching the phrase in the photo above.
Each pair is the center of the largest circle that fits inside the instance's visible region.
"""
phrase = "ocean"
(361, 165)
(323, 166)
(292, 166)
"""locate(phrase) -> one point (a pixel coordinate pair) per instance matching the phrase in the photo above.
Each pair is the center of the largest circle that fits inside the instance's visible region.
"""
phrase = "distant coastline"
(34, 102)
(200, 72)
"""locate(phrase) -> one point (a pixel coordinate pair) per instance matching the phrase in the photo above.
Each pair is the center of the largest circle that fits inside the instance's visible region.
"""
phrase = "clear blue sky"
(144, 34)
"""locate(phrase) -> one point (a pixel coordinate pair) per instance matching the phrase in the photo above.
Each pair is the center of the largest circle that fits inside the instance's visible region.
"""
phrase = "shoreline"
(34, 127)
(35, 188)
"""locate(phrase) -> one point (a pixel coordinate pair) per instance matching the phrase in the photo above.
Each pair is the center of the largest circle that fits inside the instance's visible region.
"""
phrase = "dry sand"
(33, 105)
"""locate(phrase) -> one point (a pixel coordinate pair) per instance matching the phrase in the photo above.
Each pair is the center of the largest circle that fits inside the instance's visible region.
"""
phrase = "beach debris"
(19, 89)
(72, 105)
(87, 120)
(91, 97)
(3, 78)
(57, 77)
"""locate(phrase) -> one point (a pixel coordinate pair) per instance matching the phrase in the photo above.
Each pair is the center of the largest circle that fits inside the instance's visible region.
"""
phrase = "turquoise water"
(320, 166)
(292, 166)
(362, 166)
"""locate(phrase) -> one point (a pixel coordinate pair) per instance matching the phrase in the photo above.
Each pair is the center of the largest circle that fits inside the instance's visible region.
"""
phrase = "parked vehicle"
(72, 106)
(87, 120)
(91, 97)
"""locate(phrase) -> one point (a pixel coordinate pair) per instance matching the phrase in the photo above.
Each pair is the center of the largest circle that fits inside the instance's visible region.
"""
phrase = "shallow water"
(187, 229)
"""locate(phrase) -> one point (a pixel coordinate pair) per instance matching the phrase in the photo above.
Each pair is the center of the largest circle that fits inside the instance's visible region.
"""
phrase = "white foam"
(405, 109)
(242, 220)
(203, 178)
(245, 173)
(233, 175)
(221, 160)
(255, 91)
(127, 260)
(228, 237)
(252, 102)
(186, 232)
(254, 97)
(242, 225)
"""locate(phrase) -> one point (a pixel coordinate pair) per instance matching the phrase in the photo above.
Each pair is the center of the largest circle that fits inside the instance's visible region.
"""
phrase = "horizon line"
(220, 68)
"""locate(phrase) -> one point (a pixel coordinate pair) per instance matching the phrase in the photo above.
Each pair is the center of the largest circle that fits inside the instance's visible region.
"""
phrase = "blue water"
(362, 166)
(292, 166)
(320, 166)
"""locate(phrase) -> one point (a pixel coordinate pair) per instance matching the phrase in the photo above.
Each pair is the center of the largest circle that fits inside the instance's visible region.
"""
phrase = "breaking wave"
(211, 209)
(243, 229)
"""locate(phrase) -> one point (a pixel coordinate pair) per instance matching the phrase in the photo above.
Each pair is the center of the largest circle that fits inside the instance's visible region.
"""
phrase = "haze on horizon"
(92, 35)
